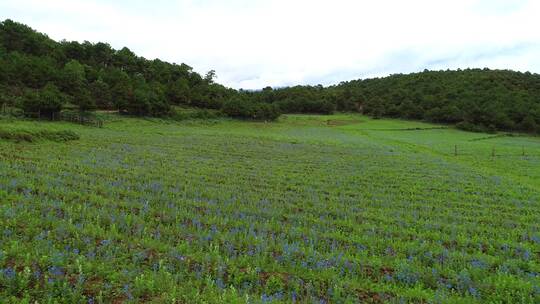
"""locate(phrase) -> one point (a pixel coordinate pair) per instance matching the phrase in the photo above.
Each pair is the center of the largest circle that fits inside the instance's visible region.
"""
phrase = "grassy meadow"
(309, 209)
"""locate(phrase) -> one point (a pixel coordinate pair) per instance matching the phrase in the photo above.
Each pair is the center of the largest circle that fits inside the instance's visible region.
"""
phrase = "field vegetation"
(307, 209)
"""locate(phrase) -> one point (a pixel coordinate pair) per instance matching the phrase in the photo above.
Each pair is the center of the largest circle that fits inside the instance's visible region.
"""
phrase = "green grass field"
(310, 209)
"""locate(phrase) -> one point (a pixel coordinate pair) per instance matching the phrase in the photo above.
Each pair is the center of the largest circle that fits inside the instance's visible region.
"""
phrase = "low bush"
(468, 126)
(246, 109)
(192, 114)
(33, 136)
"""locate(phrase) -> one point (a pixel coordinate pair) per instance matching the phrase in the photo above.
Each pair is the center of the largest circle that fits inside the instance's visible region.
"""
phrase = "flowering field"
(310, 209)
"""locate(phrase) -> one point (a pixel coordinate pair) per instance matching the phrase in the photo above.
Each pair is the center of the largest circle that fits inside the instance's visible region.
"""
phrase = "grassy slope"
(304, 208)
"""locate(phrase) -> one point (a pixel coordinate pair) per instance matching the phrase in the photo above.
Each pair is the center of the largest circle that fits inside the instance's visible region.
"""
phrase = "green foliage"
(16, 37)
(73, 76)
(179, 92)
(148, 99)
(241, 107)
(210, 76)
(121, 88)
(467, 126)
(238, 108)
(265, 111)
(33, 135)
(46, 101)
(101, 94)
(299, 99)
(529, 124)
(180, 114)
(97, 76)
(480, 99)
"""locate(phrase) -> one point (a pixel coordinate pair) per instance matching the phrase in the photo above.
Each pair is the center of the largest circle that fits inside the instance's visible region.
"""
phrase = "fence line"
(70, 117)
(493, 152)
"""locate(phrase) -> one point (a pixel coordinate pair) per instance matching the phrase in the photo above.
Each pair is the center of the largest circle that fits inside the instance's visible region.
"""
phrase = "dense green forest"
(38, 74)
(475, 99)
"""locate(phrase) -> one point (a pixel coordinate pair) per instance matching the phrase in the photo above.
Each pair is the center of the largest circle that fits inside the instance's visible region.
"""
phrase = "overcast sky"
(255, 43)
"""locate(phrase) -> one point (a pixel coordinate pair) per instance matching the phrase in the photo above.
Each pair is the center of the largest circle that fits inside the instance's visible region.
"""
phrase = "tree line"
(479, 100)
(38, 74)
(473, 99)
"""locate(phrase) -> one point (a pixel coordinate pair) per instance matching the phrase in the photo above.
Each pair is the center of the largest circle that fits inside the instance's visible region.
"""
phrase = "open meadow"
(308, 209)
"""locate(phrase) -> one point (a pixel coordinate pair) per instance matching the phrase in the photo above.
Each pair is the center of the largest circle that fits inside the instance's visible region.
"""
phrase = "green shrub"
(478, 128)
(33, 136)
(189, 114)
(17, 136)
(46, 101)
(246, 109)
(58, 136)
(265, 111)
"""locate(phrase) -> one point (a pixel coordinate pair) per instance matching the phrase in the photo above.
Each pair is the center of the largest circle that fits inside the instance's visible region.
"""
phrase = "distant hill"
(477, 99)
(40, 74)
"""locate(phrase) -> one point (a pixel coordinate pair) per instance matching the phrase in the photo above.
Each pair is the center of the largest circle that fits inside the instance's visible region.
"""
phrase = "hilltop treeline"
(474, 99)
(38, 74)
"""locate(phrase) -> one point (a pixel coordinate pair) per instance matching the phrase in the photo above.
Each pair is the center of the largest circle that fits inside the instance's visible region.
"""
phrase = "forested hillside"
(475, 99)
(38, 74)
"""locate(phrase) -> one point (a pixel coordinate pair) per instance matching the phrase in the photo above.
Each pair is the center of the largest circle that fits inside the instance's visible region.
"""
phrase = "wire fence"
(74, 117)
(496, 151)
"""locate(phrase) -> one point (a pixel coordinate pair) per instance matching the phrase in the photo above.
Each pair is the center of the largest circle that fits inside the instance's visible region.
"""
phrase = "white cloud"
(256, 43)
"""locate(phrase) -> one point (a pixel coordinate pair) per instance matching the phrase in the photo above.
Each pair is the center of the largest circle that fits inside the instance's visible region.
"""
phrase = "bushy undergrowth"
(180, 114)
(477, 128)
(246, 109)
(33, 136)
